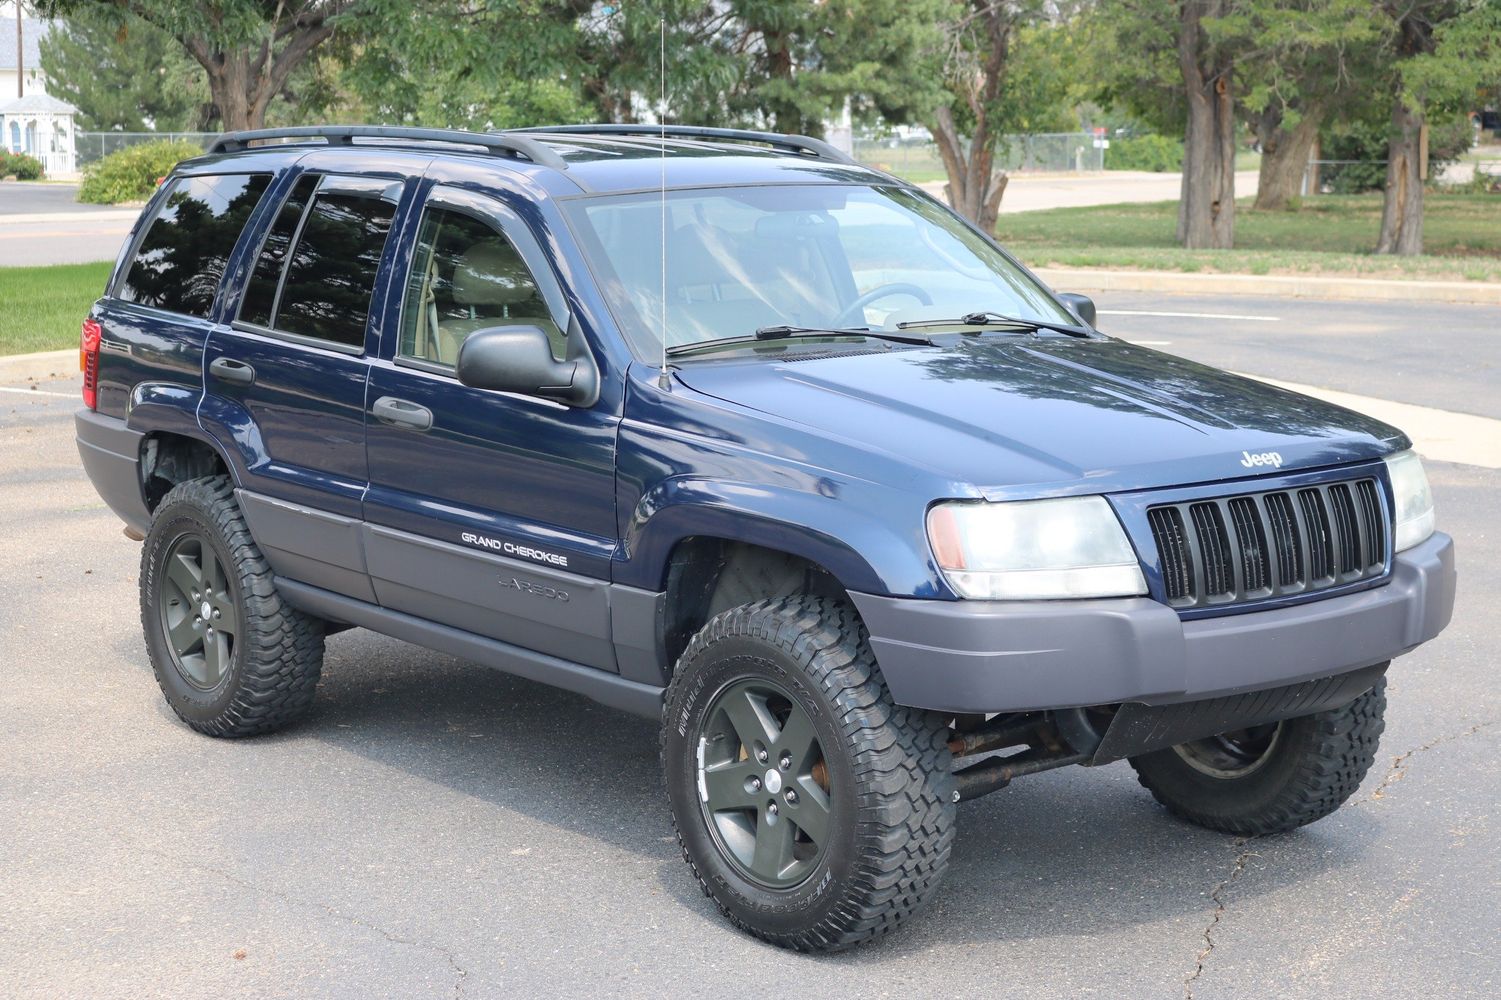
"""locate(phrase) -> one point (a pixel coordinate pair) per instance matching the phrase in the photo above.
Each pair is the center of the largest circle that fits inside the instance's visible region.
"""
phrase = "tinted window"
(331, 270)
(260, 293)
(466, 276)
(183, 255)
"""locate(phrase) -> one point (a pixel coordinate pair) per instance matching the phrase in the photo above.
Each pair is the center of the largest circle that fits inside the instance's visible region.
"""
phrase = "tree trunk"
(1402, 212)
(974, 188)
(1284, 159)
(1206, 213)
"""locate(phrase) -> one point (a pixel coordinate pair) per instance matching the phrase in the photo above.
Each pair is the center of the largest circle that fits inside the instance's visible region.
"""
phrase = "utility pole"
(20, 54)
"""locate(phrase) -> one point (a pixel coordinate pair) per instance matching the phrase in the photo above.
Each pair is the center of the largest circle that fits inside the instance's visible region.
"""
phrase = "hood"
(1042, 416)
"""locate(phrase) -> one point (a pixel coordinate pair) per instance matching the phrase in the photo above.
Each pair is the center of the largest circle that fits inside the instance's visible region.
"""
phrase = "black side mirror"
(1081, 305)
(519, 359)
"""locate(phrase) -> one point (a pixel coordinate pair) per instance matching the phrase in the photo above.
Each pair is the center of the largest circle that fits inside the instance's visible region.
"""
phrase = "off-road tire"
(1316, 764)
(891, 789)
(274, 665)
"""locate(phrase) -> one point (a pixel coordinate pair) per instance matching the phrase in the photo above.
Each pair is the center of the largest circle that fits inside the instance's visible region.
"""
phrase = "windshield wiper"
(986, 317)
(785, 332)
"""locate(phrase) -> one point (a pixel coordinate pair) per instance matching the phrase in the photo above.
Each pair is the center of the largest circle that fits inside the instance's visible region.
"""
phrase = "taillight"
(88, 361)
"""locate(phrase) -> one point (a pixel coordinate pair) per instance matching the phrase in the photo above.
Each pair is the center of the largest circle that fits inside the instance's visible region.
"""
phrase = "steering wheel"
(855, 312)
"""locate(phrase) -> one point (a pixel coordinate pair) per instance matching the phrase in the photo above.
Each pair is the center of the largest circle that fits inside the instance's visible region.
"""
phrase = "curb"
(1277, 285)
(38, 367)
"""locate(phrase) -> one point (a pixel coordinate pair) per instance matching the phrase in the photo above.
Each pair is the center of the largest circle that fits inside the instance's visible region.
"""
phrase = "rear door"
(492, 512)
(285, 380)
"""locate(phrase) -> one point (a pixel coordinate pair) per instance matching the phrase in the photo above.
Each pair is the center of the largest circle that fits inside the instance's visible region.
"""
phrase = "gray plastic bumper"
(111, 454)
(1006, 656)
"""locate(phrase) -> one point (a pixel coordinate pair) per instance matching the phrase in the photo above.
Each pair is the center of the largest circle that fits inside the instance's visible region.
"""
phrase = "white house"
(42, 126)
(33, 30)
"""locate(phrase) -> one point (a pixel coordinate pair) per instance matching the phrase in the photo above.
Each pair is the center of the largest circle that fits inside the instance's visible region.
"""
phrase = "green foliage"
(20, 166)
(1365, 143)
(41, 307)
(1158, 153)
(132, 173)
(123, 74)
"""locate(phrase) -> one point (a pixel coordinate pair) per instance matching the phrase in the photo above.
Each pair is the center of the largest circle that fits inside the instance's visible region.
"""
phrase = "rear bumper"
(1009, 656)
(111, 454)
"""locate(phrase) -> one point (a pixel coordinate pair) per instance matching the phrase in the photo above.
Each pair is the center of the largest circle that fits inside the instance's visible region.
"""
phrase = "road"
(1034, 192)
(44, 224)
(437, 829)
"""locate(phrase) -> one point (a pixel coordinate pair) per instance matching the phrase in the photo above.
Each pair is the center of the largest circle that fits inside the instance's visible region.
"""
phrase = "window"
(739, 259)
(316, 270)
(182, 257)
(260, 292)
(466, 276)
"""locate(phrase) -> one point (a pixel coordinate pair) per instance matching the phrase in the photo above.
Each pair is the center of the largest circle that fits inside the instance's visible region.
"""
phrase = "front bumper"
(1012, 656)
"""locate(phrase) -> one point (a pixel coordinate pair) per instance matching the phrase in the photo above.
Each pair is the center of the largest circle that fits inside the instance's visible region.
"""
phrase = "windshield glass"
(740, 259)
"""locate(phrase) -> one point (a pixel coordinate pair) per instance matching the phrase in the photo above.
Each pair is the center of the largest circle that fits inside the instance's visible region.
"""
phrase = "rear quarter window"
(180, 261)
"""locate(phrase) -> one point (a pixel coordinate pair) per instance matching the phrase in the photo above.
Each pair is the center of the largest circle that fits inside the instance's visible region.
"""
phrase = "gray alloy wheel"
(197, 606)
(763, 785)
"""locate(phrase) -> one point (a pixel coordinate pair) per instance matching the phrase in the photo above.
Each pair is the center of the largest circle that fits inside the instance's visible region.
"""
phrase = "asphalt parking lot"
(438, 829)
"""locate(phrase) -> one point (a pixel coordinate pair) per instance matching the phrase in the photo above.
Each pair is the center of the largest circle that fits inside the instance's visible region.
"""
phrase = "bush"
(1366, 144)
(1145, 152)
(131, 174)
(20, 166)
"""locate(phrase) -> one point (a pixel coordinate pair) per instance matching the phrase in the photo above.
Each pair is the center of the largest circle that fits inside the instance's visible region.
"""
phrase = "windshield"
(742, 259)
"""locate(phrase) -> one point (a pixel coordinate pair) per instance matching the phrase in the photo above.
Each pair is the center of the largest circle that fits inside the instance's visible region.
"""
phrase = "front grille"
(1256, 546)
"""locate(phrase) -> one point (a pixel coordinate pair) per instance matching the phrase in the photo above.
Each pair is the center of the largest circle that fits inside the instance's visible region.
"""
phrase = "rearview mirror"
(519, 359)
(1082, 306)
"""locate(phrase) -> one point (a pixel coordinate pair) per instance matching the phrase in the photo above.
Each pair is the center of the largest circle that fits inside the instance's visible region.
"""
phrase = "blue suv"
(725, 429)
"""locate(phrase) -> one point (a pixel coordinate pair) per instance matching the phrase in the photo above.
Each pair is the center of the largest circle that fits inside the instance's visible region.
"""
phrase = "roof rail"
(792, 143)
(497, 143)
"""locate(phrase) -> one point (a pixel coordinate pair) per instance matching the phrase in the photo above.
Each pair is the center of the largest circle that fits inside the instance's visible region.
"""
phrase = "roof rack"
(500, 144)
(801, 144)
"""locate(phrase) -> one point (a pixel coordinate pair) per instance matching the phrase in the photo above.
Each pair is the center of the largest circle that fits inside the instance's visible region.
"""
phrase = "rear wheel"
(1272, 778)
(231, 657)
(814, 812)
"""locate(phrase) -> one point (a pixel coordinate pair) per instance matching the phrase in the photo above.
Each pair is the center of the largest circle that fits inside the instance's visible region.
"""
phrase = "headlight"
(1412, 500)
(1031, 549)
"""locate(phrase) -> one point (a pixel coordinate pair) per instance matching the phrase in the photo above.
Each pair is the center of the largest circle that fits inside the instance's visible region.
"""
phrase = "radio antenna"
(663, 381)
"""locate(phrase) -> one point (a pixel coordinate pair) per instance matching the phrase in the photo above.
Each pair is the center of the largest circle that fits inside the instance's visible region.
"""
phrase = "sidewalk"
(1034, 192)
(1291, 286)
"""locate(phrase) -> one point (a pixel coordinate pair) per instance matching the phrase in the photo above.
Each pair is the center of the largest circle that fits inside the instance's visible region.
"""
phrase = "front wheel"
(1272, 778)
(813, 811)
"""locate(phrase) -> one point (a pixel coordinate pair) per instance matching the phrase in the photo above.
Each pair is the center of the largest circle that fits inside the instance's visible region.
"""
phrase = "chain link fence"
(91, 146)
(1047, 152)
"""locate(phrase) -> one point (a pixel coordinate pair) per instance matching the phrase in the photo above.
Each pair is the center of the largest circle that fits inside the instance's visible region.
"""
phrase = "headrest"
(491, 273)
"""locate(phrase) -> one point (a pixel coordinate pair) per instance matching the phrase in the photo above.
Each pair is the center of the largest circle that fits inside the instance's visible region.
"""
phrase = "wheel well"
(169, 459)
(708, 575)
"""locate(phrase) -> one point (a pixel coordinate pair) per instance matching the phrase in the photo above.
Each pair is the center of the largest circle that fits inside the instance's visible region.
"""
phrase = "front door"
(488, 511)
(285, 381)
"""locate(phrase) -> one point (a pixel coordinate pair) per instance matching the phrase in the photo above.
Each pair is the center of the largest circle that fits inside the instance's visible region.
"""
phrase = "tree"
(123, 75)
(1181, 76)
(1003, 66)
(248, 48)
(1443, 52)
(1310, 59)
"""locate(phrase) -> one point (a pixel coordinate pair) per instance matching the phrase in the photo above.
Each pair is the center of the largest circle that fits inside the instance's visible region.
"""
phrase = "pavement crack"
(460, 973)
(1217, 896)
(1398, 769)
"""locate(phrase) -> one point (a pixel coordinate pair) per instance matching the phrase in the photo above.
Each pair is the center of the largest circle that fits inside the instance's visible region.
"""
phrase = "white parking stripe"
(1442, 435)
(38, 392)
(1182, 315)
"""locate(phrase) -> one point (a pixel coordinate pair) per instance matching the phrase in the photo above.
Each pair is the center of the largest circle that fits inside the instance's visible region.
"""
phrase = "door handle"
(402, 413)
(231, 370)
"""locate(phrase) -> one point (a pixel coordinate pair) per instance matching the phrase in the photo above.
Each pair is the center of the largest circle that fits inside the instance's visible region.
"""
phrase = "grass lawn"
(41, 308)
(1327, 234)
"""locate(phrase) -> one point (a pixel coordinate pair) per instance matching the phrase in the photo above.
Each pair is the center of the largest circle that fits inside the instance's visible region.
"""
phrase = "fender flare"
(863, 552)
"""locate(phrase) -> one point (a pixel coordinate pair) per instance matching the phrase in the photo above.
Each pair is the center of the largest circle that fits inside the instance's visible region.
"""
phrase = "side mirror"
(1081, 305)
(519, 359)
